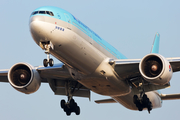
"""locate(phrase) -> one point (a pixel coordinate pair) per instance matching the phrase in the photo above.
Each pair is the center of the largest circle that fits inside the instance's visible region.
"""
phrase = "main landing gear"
(70, 106)
(142, 102)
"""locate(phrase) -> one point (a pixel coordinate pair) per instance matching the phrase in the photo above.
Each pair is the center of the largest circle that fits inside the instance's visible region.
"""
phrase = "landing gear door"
(68, 20)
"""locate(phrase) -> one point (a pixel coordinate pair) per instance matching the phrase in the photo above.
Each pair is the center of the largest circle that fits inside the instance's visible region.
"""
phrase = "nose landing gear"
(48, 61)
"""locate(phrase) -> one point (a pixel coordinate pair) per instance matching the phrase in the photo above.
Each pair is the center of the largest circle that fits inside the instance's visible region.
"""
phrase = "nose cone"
(37, 29)
(36, 18)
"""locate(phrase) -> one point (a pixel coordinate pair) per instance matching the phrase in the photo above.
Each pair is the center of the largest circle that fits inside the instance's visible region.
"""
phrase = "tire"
(51, 62)
(145, 97)
(45, 62)
(65, 109)
(77, 110)
(68, 112)
(140, 108)
(135, 99)
(71, 102)
(63, 104)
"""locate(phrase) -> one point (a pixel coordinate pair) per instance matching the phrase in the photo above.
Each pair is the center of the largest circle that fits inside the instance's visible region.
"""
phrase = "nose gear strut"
(48, 60)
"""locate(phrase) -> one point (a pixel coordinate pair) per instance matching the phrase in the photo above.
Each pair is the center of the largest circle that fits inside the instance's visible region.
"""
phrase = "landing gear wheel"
(135, 99)
(63, 104)
(137, 103)
(77, 111)
(51, 62)
(65, 108)
(140, 108)
(68, 112)
(142, 103)
(70, 106)
(45, 62)
(71, 103)
(145, 97)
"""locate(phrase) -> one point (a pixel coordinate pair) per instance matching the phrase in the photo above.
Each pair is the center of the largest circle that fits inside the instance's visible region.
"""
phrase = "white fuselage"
(85, 59)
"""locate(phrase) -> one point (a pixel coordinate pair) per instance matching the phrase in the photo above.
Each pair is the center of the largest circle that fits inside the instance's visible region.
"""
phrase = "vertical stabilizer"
(155, 46)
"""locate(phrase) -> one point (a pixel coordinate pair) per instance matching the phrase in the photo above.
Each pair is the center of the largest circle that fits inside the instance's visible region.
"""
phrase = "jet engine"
(24, 78)
(155, 69)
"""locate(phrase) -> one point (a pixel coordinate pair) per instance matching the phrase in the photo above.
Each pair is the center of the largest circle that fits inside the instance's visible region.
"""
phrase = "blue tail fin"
(155, 46)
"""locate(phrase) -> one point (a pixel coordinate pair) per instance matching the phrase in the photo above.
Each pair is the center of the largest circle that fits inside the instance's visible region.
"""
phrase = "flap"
(175, 63)
(170, 96)
(106, 101)
(127, 68)
(59, 77)
(58, 71)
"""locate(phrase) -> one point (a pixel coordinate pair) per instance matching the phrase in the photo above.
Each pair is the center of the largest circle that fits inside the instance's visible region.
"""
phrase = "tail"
(155, 46)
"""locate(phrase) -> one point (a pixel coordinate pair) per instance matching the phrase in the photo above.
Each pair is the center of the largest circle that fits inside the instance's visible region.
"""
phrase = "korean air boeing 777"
(89, 63)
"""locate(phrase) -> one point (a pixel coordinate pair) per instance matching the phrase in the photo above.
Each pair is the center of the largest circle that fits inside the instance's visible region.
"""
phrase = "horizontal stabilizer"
(170, 96)
(105, 101)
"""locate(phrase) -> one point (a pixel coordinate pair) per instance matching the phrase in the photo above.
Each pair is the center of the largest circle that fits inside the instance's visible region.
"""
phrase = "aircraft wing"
(58, 77)
(3, 75)
(162, 96)
(129, 68)
(175, 63)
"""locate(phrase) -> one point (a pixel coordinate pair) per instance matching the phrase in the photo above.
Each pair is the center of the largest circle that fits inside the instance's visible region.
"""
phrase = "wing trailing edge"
(170, 96)
(106, 101)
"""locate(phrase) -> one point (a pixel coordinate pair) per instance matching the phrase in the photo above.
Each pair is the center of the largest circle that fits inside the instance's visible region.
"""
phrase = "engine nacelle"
(24, 78)
(155, 69)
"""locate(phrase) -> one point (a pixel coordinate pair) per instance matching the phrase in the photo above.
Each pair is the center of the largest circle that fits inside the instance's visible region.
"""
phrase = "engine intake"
(24, 78)
(156, 69)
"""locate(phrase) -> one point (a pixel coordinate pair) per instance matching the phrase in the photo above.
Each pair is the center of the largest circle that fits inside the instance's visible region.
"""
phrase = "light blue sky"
(129, 26)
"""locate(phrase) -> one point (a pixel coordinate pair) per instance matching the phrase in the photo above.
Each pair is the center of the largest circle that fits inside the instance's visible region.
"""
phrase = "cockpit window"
(36, 12)
(43, 12)
(51, 13)
(48, 12)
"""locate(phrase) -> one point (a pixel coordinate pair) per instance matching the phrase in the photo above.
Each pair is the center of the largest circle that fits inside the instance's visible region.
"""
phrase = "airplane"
(89, 63)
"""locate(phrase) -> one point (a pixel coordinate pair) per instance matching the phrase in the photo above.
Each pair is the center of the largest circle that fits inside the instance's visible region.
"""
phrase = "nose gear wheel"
(49, 61)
